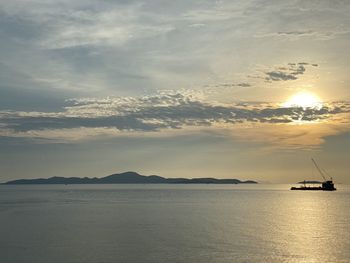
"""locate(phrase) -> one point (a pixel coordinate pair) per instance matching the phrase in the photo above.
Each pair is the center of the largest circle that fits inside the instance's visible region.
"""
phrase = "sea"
(173, 223)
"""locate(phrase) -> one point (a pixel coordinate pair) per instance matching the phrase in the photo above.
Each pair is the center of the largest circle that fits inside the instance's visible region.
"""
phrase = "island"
(127, 178)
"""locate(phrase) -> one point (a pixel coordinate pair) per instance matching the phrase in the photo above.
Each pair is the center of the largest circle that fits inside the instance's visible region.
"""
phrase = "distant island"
(127, 178)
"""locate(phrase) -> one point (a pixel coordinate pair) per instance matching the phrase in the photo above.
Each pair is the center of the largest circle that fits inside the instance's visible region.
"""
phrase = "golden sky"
(230, 89)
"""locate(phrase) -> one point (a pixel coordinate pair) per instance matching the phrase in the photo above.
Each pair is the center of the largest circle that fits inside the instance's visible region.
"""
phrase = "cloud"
(129, 47)
(160, 113)
(231, 85)
(290, 137)
(296, 33)
(290, 35)
(279, 75)
(289, 72)
(244, 85)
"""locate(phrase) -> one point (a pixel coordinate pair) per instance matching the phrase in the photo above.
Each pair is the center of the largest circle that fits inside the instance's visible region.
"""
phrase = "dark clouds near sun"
(154, 113)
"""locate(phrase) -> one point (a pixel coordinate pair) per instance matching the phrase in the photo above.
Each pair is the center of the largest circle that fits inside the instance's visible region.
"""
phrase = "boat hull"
(312, 189)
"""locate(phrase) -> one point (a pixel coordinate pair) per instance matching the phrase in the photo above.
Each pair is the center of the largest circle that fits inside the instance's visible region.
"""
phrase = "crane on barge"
(327, 184)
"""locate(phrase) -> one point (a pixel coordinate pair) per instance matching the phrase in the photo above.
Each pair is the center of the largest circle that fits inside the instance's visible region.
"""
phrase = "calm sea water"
(173, 223)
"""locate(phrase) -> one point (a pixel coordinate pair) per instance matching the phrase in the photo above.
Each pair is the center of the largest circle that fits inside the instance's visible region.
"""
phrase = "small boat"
(326, 185)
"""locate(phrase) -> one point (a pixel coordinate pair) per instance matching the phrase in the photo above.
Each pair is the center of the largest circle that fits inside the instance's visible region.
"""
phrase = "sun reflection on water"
(305, 228)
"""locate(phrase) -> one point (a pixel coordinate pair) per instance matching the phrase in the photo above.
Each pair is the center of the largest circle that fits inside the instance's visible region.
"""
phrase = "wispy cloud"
(173, 111)
(295, 35)
(128, 47)
(289, 72)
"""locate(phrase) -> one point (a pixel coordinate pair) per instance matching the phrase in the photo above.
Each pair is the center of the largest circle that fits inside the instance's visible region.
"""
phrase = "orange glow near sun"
(303, 100)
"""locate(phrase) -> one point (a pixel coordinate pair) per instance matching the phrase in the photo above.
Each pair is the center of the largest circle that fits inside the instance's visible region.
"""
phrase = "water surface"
(173, 223)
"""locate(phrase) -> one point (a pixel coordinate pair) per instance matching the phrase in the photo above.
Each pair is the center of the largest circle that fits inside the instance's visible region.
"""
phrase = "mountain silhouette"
(128, 178)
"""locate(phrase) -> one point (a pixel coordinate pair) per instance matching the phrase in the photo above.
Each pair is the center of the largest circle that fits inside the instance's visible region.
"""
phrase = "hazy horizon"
(320, 179)
(226, 89)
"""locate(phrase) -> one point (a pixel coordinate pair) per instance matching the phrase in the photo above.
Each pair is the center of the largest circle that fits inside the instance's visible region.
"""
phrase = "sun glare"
(303, 100)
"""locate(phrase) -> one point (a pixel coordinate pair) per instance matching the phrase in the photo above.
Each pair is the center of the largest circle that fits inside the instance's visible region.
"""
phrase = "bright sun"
(303, 100)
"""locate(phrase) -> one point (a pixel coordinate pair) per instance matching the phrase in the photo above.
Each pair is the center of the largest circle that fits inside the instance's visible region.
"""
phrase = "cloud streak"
(154, 114)
(291, 72)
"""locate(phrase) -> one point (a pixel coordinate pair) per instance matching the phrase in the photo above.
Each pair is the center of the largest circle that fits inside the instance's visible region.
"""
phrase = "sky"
(228, 89)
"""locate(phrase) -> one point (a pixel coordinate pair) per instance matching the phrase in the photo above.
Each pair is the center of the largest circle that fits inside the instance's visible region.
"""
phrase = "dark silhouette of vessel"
(326, 185)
